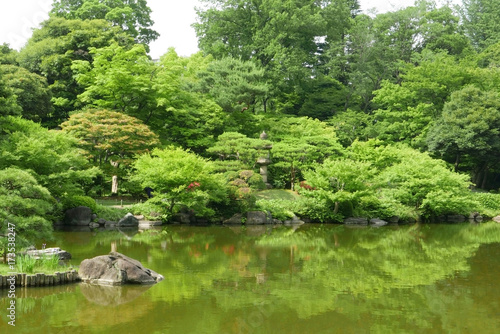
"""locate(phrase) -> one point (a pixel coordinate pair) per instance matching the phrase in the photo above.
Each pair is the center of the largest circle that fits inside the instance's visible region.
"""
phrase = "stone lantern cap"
(264, 161)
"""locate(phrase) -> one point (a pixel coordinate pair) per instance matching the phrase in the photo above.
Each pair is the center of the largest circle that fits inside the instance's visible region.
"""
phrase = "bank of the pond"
(39, 279)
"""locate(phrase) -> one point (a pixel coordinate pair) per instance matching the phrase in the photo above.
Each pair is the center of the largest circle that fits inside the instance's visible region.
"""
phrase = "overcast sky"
(173, 19)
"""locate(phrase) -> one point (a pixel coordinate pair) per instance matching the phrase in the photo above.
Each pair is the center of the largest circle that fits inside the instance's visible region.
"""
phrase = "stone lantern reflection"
(265, 161)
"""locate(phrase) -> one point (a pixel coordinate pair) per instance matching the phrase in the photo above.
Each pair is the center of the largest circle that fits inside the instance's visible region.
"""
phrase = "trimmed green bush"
(79, 200)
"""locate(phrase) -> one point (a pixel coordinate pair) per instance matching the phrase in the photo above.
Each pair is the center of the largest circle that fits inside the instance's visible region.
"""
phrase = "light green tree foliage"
(133, 16)
(236, 146)
(118, 78)
(187, 118)
(179, 179)
(52, 49)
(480, 20)
(414, 179)
(468, 132)
(378, 47)
(7, 55)
(351, 125)
(234, 84)
(24, 205)
(407, 110)
(338, 187)
(8, 101)
(52, 156)
(110, 139)
(31, 90)
(382, 181)
(299, 142)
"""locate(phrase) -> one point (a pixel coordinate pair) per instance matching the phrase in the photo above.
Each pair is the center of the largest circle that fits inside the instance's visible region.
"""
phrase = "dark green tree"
(31, 90)
(468, 132)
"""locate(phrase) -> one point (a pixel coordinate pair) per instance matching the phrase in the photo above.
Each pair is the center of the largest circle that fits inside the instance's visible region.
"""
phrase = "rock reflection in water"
(111, 295)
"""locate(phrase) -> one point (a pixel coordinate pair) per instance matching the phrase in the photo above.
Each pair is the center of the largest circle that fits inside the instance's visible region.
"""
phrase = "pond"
(259, 279)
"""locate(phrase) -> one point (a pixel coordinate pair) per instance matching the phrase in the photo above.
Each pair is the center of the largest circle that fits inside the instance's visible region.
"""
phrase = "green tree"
(7, 55)
(110, 139)
(118, 78)
(299, 142)
(8, 101)
(480, 20)
(133, 16)
(283, 37)
(236, 146)
(52, 49)
(31, 90)
(180, 178)
(468, 132)
(52, 156)
(408, 109)
(234, 84)
(24, 206)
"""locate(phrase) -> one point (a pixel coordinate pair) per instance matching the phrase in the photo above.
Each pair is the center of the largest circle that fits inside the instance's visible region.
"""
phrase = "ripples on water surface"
(258, 279)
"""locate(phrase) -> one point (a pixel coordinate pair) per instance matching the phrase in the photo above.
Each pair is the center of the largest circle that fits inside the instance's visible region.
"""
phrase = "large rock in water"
(79, 216)
(128, 220)
(258, 218)
(116, 269)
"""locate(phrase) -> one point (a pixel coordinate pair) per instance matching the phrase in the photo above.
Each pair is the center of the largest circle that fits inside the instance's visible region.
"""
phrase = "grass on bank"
(29, 265)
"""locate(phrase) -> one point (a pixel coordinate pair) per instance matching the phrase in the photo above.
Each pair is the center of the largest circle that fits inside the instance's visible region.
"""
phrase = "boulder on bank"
(116, 269)
(79, 216)
(128, 220)
(376, 222)
(235, 219)
(258, 218)
(39, 253)
(496, 219)
(356, 221)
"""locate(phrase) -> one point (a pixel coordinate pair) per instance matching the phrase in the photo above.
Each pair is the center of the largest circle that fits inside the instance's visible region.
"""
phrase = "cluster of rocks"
(259, 218)
(40, 253)
(83, 216)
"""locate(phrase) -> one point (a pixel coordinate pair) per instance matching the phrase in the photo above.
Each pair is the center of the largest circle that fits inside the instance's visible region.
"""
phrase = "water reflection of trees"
(394, 279)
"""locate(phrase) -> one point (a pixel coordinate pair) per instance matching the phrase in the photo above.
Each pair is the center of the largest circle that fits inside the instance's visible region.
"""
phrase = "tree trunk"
(485, 177)
(457, 162)
(114, 185)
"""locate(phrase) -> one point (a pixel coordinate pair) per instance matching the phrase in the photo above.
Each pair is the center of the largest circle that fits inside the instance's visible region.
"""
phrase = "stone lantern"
(265, 161)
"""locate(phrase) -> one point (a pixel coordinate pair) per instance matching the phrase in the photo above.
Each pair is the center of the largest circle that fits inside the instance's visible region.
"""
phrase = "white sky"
(173, 19)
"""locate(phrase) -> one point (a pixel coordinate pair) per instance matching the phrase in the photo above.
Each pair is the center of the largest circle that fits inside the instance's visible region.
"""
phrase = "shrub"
(256, 182)
(78, 200)
(487, 204)
(110, 213)
(280, 209)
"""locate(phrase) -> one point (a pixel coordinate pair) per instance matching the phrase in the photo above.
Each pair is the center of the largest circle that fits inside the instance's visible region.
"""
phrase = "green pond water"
(307, 279)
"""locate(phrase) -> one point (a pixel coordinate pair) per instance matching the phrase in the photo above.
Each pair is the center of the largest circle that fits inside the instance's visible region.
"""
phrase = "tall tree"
(234, 84)
(133, 16)
(24, 206)
(480, 20)
(52, 49)
(118, 78)
(51, 156)
(31, 90)
(110, 139)
(468, 132)
(284, 37)
(8, 101)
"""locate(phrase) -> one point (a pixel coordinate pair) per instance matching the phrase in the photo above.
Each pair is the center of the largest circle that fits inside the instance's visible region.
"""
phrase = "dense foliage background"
(376, 115)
